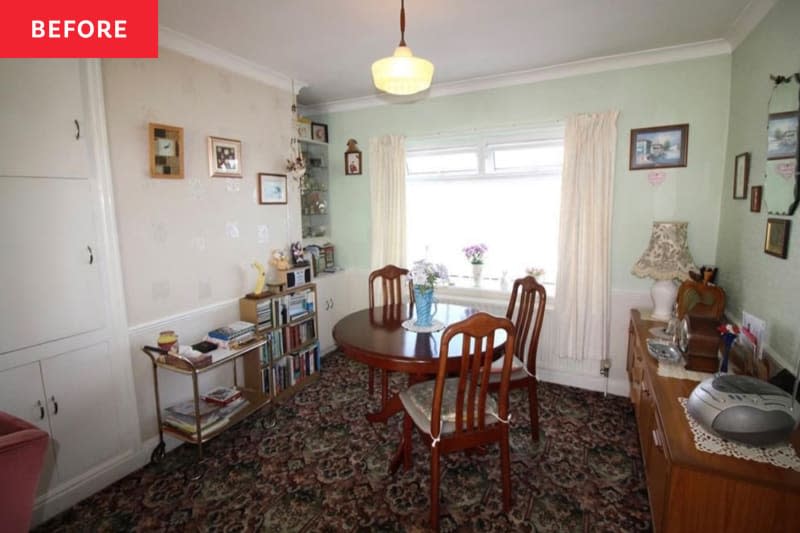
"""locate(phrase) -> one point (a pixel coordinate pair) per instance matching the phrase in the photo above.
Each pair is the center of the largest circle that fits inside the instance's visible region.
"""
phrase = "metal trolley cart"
(172, 362)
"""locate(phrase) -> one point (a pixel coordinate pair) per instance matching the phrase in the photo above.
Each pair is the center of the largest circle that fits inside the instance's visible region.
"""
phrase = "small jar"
(167, 340)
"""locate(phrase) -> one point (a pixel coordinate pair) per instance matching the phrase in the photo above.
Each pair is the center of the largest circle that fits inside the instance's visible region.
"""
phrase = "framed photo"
(741, 175)
(303, 127)
(660, 147)
(782, 135)
(756, 192)
(166, 151)
(776, 241)
(271, 188)
(319, 132)
(224, 158)
(352, 163)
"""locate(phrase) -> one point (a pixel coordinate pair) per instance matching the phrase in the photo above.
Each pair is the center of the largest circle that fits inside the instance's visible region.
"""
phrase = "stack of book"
(181, 418)
(234, 334)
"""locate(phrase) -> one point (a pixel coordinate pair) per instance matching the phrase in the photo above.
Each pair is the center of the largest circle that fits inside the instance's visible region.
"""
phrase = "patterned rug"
(323, 468)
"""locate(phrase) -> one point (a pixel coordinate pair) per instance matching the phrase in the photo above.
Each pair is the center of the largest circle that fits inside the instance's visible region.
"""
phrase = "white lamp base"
(663, 294)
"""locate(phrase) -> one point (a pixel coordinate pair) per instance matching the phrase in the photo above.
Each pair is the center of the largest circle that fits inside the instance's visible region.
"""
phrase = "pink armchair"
(22, 449)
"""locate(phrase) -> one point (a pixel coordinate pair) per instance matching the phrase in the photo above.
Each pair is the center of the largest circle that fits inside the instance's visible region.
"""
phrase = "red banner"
(79, 28)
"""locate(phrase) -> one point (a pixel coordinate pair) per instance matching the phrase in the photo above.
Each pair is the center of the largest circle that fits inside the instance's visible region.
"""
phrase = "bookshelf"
(290, 357)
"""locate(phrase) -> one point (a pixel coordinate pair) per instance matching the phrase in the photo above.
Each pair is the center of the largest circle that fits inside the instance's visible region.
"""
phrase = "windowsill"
(490, 289)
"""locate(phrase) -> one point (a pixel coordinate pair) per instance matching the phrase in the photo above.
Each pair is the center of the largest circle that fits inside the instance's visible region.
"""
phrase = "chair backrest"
(532, 298)
(478, 339)
(392, 280)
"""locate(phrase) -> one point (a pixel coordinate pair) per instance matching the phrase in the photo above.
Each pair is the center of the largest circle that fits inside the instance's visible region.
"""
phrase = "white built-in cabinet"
(64, 358)
(334, 302)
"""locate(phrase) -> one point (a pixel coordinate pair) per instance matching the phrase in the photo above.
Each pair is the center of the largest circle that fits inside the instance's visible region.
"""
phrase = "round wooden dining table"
(377, 338)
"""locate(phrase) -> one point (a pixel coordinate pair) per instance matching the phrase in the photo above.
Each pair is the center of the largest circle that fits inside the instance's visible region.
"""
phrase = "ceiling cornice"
(189, 46)
(576, 68)
(747, 20)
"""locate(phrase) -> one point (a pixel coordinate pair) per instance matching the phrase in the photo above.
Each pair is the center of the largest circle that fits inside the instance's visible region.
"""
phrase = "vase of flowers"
(729, 333)
(425, 276)
(474, 254)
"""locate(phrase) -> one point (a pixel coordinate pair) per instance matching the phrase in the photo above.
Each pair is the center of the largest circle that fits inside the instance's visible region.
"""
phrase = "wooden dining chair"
(392, 279)
(526, 309)
(455, 413)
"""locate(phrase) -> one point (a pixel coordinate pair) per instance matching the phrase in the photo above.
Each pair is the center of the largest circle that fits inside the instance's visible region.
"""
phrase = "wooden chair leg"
(435, 488)
(505, 468)
(408, 435)
(533, 409)
(371, 380)
(384, 387)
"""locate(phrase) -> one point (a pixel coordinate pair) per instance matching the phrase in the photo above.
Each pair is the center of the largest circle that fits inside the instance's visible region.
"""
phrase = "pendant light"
(402, 73)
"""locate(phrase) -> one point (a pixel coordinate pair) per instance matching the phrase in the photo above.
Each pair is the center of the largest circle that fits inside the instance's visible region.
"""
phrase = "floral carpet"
(323, 468)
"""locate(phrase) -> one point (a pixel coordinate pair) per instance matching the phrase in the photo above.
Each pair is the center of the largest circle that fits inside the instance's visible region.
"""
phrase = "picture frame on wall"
(776, 239)
(271, 188)
(756, 192)
(303, 127)
(352, 163)
(659, 147)
(224, 157)
(782, 135)
(741, 176)
(166, 151)
(319, 132)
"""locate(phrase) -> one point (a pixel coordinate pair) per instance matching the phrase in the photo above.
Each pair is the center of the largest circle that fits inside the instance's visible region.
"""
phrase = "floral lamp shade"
(666, 258)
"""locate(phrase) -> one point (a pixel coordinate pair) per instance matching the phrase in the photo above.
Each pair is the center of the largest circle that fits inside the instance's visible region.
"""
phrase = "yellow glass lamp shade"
(402, 73)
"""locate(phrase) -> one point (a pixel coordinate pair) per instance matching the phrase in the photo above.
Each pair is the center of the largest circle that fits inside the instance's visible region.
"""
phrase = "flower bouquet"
(474, 253)
(425, 275)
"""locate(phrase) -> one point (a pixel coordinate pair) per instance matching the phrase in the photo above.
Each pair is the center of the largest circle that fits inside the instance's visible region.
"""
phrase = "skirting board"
(616, 387)
(65, 496)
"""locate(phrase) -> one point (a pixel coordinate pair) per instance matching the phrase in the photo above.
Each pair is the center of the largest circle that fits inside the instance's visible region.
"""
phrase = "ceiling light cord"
(402, 23)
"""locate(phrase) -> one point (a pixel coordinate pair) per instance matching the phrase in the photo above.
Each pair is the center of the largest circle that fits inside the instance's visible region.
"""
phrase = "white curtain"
(583, 284)
(387, 172)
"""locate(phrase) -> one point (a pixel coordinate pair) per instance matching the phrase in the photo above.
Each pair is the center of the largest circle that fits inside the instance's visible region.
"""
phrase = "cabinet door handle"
(77, 129)
(41, 409)
(91, 254)
(332, 303)
(656, 438)
(55, 405)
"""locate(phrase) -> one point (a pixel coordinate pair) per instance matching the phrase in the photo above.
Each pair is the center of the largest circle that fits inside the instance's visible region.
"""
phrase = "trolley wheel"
(158, 453)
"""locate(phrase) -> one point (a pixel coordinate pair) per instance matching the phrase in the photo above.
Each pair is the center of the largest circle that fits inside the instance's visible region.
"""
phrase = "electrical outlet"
(757, 327)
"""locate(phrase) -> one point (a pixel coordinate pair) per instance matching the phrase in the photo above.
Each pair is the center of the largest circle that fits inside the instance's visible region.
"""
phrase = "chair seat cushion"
(518, 370)
(418, 402)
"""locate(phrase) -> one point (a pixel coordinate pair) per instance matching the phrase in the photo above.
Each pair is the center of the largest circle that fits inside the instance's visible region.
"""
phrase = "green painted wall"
(695, 91)
(761, 284)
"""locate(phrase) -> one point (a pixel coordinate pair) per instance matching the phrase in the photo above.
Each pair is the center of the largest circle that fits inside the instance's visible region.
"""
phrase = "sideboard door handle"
(656, 438)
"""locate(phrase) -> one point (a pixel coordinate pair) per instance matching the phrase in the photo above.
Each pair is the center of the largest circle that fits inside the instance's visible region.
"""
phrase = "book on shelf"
(222, 395)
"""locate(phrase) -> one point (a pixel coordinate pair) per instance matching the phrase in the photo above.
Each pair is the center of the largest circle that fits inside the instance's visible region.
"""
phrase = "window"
(501, 188)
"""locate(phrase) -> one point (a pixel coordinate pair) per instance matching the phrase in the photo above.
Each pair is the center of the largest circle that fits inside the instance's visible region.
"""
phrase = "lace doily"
(781, 455)
(410, 326)
(678, 372)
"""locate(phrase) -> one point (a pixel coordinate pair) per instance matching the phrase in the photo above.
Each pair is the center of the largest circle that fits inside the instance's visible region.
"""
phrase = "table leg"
(391, 404)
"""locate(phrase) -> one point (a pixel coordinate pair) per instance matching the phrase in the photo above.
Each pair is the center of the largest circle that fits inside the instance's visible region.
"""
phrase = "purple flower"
(474, 253)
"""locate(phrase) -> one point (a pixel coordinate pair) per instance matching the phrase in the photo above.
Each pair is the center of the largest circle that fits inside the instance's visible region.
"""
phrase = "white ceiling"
(331, 44)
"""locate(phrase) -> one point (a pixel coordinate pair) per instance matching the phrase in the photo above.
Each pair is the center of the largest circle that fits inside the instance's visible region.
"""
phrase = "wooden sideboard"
(694, 491)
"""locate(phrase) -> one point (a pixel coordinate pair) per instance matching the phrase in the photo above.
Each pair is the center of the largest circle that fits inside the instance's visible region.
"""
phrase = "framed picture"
(352, 163)
(776, 241)
(303, 129)
(756, 192)
(166, 151)
(660, 147)
(224, 158)
(782, 135)
(271, 188)
(319, 132)
(741, 175)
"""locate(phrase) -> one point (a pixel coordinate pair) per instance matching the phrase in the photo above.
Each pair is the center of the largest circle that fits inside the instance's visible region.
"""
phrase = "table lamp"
(666, 259)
